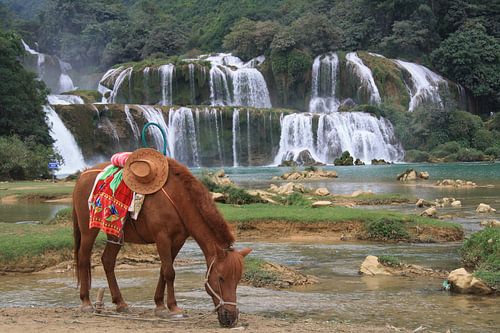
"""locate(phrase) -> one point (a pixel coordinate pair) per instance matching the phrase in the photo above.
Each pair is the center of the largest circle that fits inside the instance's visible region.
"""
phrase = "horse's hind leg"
(84, 254)
(108, 260)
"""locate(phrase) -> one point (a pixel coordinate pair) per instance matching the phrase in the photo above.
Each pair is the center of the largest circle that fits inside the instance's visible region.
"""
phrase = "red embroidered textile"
(110, 201)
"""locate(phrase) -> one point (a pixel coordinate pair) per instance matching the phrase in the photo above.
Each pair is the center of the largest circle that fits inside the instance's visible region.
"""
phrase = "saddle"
(121, 187)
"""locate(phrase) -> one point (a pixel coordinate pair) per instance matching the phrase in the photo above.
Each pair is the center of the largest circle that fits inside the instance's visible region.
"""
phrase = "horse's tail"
(77, 236)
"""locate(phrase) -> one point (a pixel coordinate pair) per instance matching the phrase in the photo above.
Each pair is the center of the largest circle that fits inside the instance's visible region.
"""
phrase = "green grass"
(29, 243)
(324, 214)
(389, 260)
(255, 273)
(482, 253)
(36, 189)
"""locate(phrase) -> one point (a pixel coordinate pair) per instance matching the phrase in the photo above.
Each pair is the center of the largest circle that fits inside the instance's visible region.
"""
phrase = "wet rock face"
(465, 283)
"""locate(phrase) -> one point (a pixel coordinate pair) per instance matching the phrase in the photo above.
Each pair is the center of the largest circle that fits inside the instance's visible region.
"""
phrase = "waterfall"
(365, 75)
(125, 73)
(182, 136)
(236, 134)
(65, 82)
(424, 85)
(248, 85)
(219, 89)
(213, 114)
(101, 88)
(40, 59)
(324, 83)
(362, 134)
(64, 143)
(131, 122)
(166, 75)
(154, 115)
(64, 99)
(192, 86)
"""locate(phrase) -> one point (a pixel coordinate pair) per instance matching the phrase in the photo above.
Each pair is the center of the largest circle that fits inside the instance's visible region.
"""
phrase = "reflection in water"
(341, 294)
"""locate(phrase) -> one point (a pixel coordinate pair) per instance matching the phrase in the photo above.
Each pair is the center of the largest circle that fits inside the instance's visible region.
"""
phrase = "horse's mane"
(204, 203)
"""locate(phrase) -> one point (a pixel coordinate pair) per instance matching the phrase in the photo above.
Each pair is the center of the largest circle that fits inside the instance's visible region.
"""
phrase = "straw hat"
(145, 171)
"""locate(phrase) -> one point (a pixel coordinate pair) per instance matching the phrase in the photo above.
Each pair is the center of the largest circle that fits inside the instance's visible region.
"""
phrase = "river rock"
(430, 212)
(263, 195)
(423, 175)
(423, 203)
(305, 158)
(344, 159)
(380, 162)
(220, 178)
(456, 204)
(309, 174)
(218, 197)
(455, 183)
(408, 175)
(484, 208)
(371, 266)
(359, 162)
(357, 193)
(465, 283)
(490, 223)
(287, 188)
(323, 203)
(322, 191)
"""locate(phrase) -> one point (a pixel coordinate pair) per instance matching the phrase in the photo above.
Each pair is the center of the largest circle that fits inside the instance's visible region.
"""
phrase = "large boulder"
(371, 266)
(484, 208)
(379, 162)
(465, 283)
(305, 158)
(408, 175)
(423, 175)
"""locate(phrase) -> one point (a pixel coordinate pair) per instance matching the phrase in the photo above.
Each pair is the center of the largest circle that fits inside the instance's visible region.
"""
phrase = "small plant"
(387, 229)
(389, 260)
(256, 274)
(311, 168)
(295, 199)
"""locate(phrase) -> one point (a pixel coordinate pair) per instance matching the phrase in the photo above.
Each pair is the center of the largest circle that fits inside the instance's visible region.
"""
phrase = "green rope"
(143, 136)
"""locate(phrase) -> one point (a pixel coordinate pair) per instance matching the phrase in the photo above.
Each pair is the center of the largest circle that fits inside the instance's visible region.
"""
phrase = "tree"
(249, 39)
(316, 33)
(166, 37)
(471, 57)
(21, 95)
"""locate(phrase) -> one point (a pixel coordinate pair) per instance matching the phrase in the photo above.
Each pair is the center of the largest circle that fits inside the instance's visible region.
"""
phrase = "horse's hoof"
(162, 313)
(123, 309)
(86, 308)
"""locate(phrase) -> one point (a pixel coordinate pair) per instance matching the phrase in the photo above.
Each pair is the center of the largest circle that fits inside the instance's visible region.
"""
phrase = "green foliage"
(344, 159)
(233, 194)
(24, 159)
(385, 228)
(21, 96)
(249, 39)
(472, 57)
(256, 274)
(295, 199)
(469, 155)
(389, 260)
(482, 253)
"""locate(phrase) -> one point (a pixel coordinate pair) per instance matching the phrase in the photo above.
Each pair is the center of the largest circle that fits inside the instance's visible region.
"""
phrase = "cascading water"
(424, 85)
(154, 115)
(131, 122)
(365, 75)
(124, 74)
(64, 143)
(65, 82)
(236, 135)
(192, 85)
(362, 134)
(166, 75)
(248, 85)
(324, 83)
(64, 99)
(182, 136)
(101, 88)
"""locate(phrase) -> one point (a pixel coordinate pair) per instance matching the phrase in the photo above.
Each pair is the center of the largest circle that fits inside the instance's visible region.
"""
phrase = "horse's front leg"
(108, 259)
(167, 277)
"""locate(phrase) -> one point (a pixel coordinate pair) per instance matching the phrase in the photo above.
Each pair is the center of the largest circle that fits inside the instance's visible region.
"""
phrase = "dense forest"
(457, 38)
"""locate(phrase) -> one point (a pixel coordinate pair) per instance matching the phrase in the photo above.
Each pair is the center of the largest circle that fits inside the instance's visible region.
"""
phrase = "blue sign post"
(53, 165)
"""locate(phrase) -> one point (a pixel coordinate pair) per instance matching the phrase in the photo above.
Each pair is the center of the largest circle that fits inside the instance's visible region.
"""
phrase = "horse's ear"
(245, 251)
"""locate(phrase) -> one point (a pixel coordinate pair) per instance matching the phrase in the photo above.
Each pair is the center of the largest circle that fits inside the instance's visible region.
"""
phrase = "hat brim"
(161, 165)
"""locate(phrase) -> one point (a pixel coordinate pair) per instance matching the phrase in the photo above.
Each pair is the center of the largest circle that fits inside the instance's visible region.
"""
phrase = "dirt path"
(58, 320)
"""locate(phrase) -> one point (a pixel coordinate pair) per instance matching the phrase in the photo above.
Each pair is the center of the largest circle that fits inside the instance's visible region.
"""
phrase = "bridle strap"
(219, 297)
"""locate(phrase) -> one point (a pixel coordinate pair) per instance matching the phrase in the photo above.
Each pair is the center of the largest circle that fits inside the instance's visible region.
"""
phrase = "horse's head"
(223, 275)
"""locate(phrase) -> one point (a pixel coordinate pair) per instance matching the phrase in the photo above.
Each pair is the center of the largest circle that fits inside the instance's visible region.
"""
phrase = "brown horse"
(182, 208)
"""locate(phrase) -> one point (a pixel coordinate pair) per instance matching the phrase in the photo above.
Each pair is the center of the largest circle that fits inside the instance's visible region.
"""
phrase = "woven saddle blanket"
(111, 199)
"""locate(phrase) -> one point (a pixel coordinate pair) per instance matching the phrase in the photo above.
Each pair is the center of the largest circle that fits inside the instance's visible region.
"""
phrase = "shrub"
(234, 195)
(493, 151)
(483, 139)
(416, 156)
(295, 199)
(384, 228)
(482, 253)
(469, 155)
